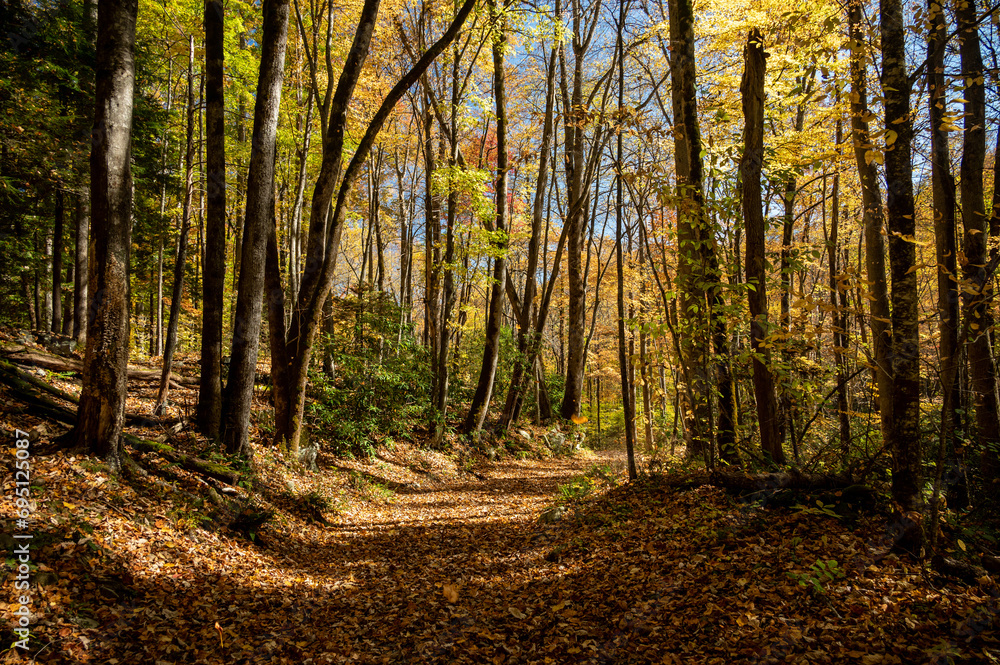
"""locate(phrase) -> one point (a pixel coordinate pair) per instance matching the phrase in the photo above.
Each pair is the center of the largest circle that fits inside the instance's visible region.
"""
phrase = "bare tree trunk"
(101, 412)
(257, 228)
(943, 186)
(529, 333)
(693, 235)
(627, 383)
(838, 301)
(978, 305)
(210, 389)
(182, 243)
(275, 298)
(491, 351)
(905, 439)
(82, 268)
(57, 263)
(753, 217)
(874, 219)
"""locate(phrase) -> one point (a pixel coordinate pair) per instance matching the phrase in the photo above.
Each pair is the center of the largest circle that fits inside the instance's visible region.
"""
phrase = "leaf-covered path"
(425, 563)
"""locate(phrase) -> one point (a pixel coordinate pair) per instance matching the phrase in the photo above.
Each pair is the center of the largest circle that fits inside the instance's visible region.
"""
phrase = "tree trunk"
(873, 220)
(943, 187)
(321, 260)
(101, 413)
(82, 269)
(256, 229)
(577, 206)
(838, 302)
(491, 350)
(978, 305)
(210, 390)
(694, 237)
(57, 263)
(752, 89)
(905, 434)
(624, 365)
(529, 333)
(275, 298)
(177, 293)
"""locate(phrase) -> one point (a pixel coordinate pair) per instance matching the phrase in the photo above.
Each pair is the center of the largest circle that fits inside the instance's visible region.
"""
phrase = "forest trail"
(432, 558)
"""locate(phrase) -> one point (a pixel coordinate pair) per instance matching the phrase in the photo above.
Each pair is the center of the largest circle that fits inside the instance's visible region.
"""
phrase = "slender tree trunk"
(257, 227)
(906, 435)
(321, 260)
(693, 234)
(491, 350)
(210, 390)
(753, 217)
(529, 334)
(57, 263)
(182, 243)
(577, 206)
(873, 220)
(838, 301)
(82, 269)
(275, 298)
(978, 305)
(101, 413)
(627, 386)
(943, 187)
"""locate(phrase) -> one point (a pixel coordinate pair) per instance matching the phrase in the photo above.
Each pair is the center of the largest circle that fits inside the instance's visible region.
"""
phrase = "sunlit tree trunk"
(182, 244)
(325, 231)
(491, 351)
(256, 229)
(101, 413)
(82, 273)
(696, 242)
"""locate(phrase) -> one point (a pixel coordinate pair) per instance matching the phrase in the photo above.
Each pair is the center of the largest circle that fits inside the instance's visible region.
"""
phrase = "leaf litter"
(423, 560)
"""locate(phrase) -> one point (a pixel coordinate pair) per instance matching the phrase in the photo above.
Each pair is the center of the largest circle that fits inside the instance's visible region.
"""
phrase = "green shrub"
(380, 380)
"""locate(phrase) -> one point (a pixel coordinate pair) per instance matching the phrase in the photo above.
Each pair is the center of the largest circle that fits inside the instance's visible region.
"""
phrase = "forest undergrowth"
(428, 556)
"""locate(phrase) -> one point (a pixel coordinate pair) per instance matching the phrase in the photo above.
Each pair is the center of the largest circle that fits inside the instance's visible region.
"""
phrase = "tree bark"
(210, 390)
(256, 229)
(751, 165)
(838, 302)
(624, 364)
(905, 434)
(57, 262)
(694, 237)
(82, 273)
(978, 303)
(102, 399)
(873, 220)
(943, 188)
